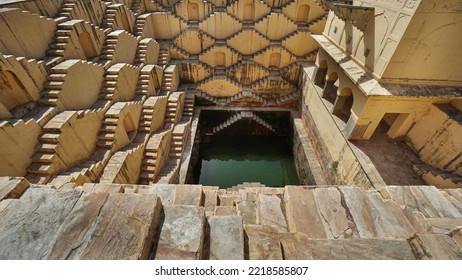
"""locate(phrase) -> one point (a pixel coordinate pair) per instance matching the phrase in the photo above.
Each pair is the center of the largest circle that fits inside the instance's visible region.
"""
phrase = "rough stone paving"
(98, 120)
(248, 221)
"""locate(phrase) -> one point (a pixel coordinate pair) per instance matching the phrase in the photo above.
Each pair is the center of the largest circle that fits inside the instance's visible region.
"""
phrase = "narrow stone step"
(295, 246)
(361, 249)
(210, 199)
(435, 247)
(225, 238)
(225, 211)
(426, 199)
(188, 195)
(262, 243)
(181, 233)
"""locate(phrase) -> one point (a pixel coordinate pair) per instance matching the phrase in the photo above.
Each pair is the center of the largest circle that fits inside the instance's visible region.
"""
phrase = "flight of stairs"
(239, 116)
(164, 56)
(45, 152)
(107, 132)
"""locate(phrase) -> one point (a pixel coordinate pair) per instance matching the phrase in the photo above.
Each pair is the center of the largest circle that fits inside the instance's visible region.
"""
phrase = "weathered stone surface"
(271, 213)
(188, 195)
(456, 235)
(166, 193)
(417, 220)
(435, 247)
(262, 243)
(250, 194)
(426, 199)
(105, 188)
(225, 238)
(295, 246)
(444, 225)
(12, 187)
(125, 228)
(28, 224)
(302, 212)
(248, 211)
(181, 233)
(361, 249)
(210, 200)
(77, 228)
(228, 199)
(225, 211)
(373, 216)
(456, 193)
(267, 190)
(337, 223)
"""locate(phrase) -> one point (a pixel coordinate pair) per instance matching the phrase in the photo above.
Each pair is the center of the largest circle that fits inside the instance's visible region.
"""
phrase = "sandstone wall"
(19, 34)
(335, 155)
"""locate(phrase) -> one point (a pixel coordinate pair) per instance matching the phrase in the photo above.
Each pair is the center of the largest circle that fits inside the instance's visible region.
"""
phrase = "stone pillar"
(400, 126)
(339, 103)
(329, 89)
(319, 75)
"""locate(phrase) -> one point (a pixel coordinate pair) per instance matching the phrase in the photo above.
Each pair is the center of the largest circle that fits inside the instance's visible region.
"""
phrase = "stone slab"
(188, 195)
(361, 249)
(28, 224)
(435, 247)
(375, 217)
(102, 188)
(417, 220)
(125, 228)
(166, 193)
(247, 209)
(181, 233)
(337, 223)
(77, 227)
(271, 212)
(456, 235)
(229, 199)
(262, 243)
(225, 211)
(12, 187)
(250, 194)
(302, 212)
(426, 199)
(210, 199)
(225, 238)
(295, 246)
(444, 225)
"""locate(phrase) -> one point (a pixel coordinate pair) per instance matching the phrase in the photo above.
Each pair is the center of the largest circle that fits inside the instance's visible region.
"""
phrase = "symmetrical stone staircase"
(249, 221)
(239, 116)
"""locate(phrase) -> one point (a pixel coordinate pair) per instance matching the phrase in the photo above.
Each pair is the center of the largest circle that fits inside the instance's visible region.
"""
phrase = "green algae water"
(230, 160)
